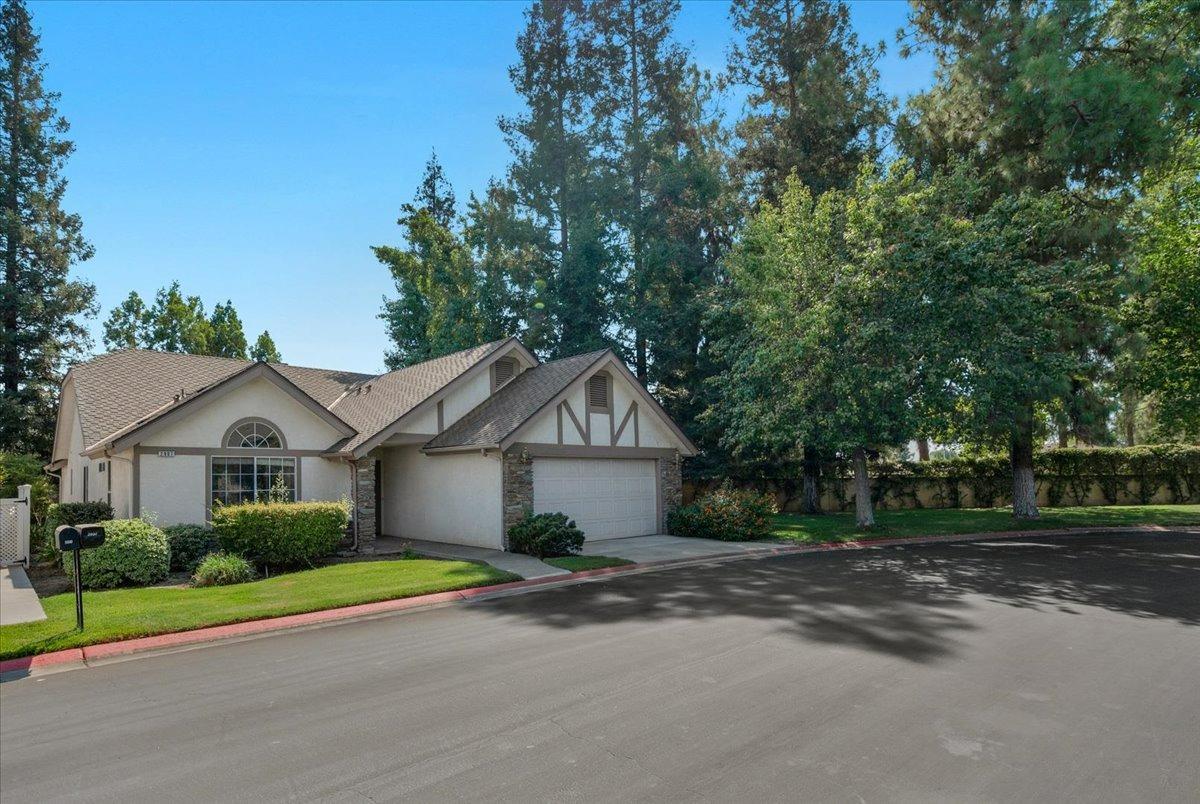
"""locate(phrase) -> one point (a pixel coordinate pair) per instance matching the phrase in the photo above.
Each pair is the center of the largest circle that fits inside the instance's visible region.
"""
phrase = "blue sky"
(255, 151)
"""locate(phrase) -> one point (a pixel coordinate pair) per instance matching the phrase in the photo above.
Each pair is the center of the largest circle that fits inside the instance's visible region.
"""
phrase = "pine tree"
(40, 305)
(264, 349)
(225, 335)
(815, 107)
(555, 173)
(1072, 100)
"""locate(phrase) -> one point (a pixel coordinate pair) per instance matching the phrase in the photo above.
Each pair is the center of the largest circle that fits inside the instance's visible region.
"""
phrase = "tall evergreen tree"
(264, 349)
(555, 172)
(40, 305)
(815, 108)
(1074, 100)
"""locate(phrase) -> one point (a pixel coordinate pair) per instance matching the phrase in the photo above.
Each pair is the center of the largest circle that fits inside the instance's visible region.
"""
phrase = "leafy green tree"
(176, 324)
(1165, 312)
(125, 325)
(40, 304)
(225, 335)
(1072, 100)
(815, 108)
(828, 357)
(264, 349)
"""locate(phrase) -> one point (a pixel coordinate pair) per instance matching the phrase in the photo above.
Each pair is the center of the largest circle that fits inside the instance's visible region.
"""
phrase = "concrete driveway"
(641, 549)
(1039, 670)
(18, 601)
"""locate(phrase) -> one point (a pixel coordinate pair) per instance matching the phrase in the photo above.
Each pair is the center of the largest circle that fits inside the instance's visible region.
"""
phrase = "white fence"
(14, 527)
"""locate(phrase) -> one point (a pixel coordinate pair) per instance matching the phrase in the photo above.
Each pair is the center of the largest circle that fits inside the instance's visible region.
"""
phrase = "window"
(254, 435)
(503, 370)
(240, 480)
(597, 392)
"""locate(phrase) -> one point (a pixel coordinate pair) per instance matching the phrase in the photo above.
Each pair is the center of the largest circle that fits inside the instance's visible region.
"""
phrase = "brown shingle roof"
(498, 416)
(119, 389)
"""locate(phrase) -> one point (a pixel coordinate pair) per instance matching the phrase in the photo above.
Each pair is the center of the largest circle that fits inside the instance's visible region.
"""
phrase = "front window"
(242, 480)
(254, 435)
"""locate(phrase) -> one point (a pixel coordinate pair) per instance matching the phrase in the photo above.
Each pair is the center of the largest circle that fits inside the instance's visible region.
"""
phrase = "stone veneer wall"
(517, 483)
(670, 480)
(364, 504)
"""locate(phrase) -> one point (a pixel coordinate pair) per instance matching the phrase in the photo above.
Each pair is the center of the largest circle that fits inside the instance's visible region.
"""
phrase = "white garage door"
(607, 498)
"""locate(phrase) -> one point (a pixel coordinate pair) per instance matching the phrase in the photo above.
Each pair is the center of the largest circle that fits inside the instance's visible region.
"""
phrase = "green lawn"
(127, 613)
(581, 563)
(933, 522)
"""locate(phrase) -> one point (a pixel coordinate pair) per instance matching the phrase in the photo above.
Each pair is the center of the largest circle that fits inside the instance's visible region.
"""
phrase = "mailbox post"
(76, 538)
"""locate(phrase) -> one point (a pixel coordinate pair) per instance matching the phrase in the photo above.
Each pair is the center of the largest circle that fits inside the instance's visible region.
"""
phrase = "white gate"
(14, 527)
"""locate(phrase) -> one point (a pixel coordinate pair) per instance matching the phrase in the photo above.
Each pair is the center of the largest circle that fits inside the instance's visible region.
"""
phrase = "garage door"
(607, 498)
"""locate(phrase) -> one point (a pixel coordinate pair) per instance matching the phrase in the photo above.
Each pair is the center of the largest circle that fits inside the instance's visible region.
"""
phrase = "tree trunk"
(1021, 454)
(864, 512)
(810, 500)
(11, 361)
(636, 146)
(922, 449)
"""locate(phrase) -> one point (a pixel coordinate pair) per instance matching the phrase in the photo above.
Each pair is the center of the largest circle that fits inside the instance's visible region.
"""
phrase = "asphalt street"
(1038, 670)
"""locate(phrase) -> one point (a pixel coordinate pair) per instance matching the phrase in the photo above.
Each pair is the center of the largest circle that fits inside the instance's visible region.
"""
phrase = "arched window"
(254, 434)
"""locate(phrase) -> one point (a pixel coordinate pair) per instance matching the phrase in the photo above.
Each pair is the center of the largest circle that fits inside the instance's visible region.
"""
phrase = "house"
(454, 449)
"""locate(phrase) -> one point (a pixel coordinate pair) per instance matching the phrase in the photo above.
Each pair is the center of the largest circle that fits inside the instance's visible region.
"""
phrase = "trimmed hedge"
(1066, 476)
(134, 553)
(281, 534)
(728, 514)
(222, 569)
(189, 544)
(545, 536)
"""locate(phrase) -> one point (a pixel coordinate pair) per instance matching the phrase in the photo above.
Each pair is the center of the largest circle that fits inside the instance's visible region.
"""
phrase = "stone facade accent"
(670, 483)
(517, 483)
(364, 504)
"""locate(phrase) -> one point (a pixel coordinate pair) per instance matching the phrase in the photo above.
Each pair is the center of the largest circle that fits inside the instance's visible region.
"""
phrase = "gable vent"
(506, 368)
(597, 391)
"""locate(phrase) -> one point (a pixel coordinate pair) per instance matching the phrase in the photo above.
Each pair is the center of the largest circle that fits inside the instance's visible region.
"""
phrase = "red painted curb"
(179, 638)
(41, 660)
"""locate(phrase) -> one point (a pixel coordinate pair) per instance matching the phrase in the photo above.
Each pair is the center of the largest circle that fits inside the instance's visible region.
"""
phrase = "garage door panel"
(607, 498)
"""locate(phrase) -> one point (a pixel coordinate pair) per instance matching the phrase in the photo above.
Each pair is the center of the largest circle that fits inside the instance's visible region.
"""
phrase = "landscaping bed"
(130, 613)
(814, 529)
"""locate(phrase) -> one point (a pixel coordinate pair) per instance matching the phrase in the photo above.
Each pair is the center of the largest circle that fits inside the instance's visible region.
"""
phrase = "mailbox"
(79, 537)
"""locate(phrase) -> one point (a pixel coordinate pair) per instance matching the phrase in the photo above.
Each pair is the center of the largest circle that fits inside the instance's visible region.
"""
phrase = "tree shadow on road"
(912, 602)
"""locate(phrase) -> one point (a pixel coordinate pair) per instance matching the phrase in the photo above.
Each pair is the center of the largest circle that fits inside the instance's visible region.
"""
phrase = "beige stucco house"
(455, 449)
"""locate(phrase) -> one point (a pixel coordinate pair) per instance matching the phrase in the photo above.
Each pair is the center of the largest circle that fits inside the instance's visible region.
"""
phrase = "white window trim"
(255, 458)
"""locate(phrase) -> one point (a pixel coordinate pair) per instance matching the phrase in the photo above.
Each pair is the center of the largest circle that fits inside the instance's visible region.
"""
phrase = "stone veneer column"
(517, 493)
(670, 480)
(364, 504)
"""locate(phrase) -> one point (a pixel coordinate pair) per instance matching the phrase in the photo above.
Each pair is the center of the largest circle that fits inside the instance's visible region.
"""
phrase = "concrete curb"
(82, 656)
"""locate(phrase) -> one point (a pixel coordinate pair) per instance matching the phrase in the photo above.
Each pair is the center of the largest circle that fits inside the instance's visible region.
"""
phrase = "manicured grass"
(128, 613)
(581, 563)
(934, 522)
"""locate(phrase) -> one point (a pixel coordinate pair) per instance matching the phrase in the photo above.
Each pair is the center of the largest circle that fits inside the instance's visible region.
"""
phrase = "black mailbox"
(79, 537)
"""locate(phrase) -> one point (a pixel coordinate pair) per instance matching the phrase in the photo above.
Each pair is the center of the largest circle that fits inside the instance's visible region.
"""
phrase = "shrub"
(134, 553)
(281, 534)
(545, 535)
(728, 514)
(222, 569)
(73, 513)
(189, 544)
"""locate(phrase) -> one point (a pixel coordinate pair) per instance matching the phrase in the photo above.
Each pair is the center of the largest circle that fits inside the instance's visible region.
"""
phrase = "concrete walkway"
(642, 549)
(18, 602)
(527, 567)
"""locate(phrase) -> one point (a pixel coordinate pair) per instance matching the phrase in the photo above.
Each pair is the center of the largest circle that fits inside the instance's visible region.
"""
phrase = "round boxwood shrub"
(189, 544)
(545, 535)
(727, 514)
(134, 553)
(222, 569)
(281, 534)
